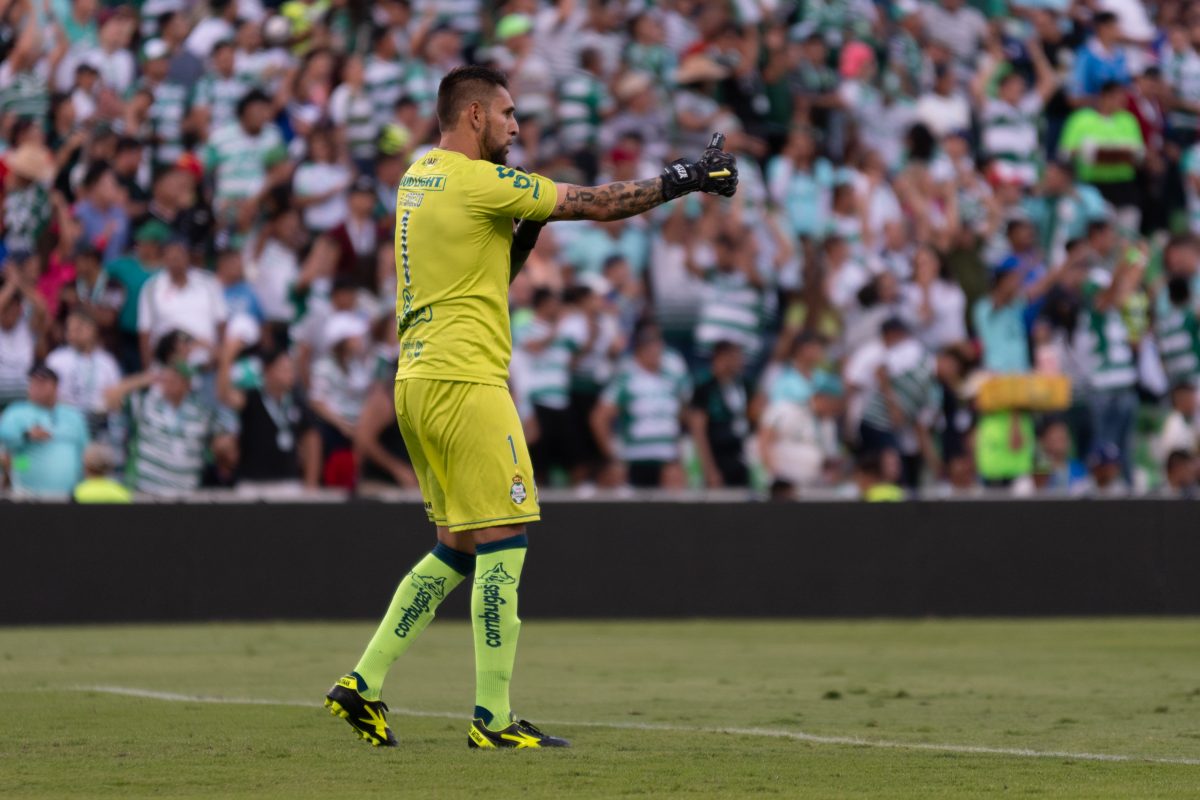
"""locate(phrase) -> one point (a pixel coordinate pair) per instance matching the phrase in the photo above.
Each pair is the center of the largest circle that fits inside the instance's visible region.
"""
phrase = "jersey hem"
(452, 378)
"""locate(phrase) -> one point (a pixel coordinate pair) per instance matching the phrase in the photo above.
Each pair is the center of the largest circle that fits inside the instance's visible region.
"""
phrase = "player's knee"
(497, 534)
(463, 541)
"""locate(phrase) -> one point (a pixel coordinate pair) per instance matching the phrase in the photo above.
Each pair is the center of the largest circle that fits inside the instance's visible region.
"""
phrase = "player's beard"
(495, 147)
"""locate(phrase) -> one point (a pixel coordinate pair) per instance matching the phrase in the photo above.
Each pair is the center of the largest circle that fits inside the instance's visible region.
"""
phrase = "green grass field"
(643, 703)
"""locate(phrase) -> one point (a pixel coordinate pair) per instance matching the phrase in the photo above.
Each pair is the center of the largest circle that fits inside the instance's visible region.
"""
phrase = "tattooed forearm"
(608, 202)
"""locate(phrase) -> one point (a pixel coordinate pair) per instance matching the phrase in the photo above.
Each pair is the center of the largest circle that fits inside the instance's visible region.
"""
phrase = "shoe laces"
(529, 726)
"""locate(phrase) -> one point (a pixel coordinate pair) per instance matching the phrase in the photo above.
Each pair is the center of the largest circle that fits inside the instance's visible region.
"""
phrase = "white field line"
(772, 733)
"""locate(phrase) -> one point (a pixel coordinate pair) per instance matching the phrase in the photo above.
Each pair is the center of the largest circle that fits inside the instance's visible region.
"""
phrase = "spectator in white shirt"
(273, 264)
(1179, 428)
(85, 369)
(341, 380)
(956, 25)
(321, 183)
(946, 108)
(799, 439)
(112, 58)
(932, 305)
(215, 27)
(179, 297)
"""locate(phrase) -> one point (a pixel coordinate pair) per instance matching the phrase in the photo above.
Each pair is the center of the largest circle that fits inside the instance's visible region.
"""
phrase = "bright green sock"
(496, 625)
(411, 611)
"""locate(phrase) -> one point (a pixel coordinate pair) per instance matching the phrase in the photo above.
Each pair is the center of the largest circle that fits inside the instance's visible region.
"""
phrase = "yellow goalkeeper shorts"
(468, 450)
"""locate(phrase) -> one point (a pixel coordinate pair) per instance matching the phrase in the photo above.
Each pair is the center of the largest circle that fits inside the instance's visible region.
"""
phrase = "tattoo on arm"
(608, 202)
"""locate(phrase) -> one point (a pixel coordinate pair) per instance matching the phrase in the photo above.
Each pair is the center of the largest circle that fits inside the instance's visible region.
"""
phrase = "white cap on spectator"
(244, 328)
(155, 48)
(276, 30)
(597, 283)
(94, 59)
(344, 325)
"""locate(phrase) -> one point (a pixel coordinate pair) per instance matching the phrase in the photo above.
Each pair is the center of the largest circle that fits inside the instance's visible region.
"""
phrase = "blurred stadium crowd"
(198, 271)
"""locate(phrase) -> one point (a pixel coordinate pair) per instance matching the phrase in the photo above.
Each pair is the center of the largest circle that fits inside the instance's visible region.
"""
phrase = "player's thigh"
(489, 474)
(409, 399)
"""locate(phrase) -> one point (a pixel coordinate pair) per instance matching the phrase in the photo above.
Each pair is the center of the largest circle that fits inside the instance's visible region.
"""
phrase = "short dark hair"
(590, 57)
(252, 96)
(81, 313)
(612, 261)
(1051, 421)
(88, 250)
(541, 296)
(380, 34)
(893, 325)
(1103, 18)
(724, 347)
(272, 354)
(831, 241)
(576, 294)
(1013, 224)
(1179, 290)
(647, 335)
(164, 351)
(465, 85)
(1177, 457)
(870, 463)
(956, 356)
(94, 173)
(804, 340)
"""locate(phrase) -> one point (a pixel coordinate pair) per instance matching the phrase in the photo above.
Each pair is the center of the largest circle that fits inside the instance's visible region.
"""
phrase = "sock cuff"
(511, 543)
(460, 562)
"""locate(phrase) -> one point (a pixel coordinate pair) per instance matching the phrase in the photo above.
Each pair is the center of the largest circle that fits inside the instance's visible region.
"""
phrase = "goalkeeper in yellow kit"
(456, 253)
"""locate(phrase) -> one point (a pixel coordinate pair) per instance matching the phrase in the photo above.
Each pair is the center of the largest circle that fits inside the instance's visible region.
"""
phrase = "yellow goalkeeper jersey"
(454, 226)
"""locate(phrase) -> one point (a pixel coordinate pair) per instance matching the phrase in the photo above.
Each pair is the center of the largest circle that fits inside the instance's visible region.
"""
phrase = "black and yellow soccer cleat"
(519, 734)
(365, 716)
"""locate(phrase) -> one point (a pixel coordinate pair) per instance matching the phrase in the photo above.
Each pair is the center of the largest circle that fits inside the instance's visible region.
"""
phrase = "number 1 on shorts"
(512, 447)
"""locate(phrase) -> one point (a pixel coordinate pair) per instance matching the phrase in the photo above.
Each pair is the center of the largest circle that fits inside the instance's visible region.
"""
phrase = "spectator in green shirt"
(1106, 145)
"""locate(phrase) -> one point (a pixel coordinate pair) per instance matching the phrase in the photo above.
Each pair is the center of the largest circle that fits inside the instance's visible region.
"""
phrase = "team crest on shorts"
(517, 491)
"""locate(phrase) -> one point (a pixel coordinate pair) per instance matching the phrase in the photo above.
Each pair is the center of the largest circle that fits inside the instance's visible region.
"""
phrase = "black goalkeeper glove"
(715, 173)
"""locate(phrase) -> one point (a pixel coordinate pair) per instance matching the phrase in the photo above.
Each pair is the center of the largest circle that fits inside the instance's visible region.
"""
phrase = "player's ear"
(475, 114)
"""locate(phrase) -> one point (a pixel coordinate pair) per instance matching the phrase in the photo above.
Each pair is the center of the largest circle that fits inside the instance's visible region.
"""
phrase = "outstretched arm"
(611, 201)
(715, 173)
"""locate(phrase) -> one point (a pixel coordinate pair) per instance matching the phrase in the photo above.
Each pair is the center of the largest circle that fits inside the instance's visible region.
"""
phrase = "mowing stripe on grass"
(774, 733)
